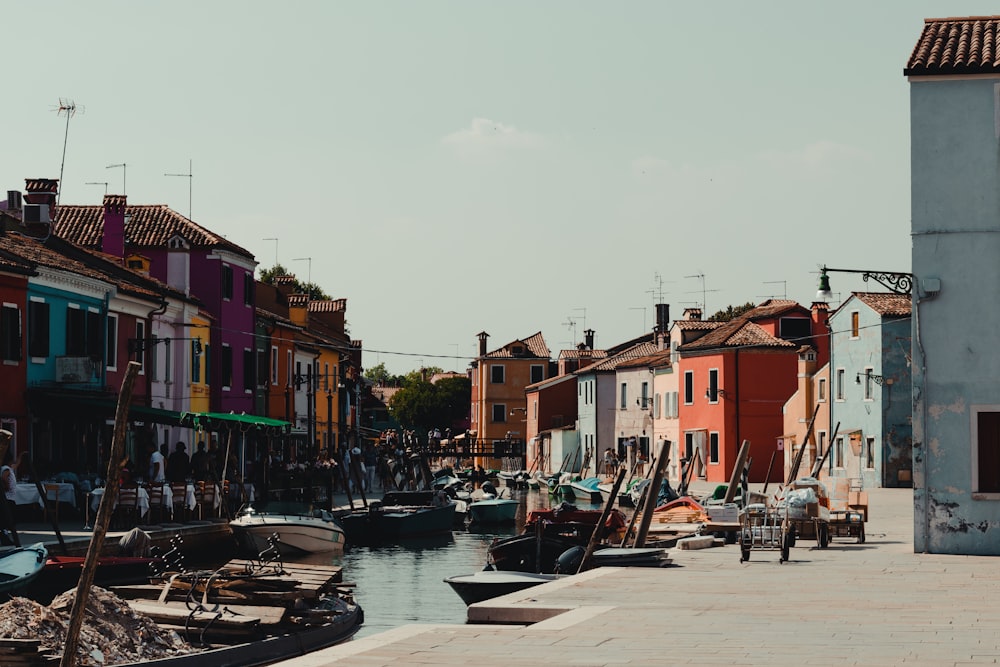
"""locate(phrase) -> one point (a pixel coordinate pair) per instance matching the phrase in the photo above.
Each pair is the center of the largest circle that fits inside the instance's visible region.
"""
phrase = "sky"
(509, 167)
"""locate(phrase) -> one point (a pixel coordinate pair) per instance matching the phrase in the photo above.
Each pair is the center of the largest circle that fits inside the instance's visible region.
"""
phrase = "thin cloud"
(485, 137)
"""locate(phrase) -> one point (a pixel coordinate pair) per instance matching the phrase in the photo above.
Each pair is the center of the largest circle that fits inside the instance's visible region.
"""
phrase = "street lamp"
(898, 282)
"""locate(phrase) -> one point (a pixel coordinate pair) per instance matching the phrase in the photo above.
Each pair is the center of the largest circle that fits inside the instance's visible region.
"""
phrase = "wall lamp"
(516, 410)
(898, 282)
(879, 379)
(719, 392)
(644, 402)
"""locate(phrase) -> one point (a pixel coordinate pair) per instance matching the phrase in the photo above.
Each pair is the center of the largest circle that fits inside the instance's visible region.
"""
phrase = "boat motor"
(569, 561)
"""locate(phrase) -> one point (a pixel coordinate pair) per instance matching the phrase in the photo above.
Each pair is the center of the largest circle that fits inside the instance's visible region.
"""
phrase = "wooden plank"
(180, 614)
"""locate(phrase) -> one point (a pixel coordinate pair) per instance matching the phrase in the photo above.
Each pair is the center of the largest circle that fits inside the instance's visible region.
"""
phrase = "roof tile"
(887, 304)
(962, 45)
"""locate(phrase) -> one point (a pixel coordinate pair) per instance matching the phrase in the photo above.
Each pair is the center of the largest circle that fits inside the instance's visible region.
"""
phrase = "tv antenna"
(104, 183)
(190, 177)
(115, 166)
(643, 309)
(657, 291)
(310, 260)
(704, 308)
(275, 239)
(784, 286)
(571, 324)
(68, 108)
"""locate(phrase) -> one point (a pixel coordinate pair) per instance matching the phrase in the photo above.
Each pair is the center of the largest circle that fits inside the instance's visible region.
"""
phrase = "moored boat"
(585, 490)
(21, 565)
(299, 530)
(494, 510)
(387, 523)
(487, 584)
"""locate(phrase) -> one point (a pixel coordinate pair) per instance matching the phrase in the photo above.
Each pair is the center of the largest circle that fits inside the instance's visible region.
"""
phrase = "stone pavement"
(875, 603)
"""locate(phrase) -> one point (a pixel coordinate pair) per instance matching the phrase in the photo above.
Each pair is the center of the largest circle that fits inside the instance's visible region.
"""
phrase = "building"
(954, 78)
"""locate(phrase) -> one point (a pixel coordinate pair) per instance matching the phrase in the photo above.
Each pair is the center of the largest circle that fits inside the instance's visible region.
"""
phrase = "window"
(840, 384)
(226, 367)
(986, 449)
(870, 453)
(95, 339)
(274, 365)
(154, 360)
(111, 343)
(10, 332)
(689, 446)
(248, 289)
(497, 374)
(326, 376)
(249, 364)
(713, 385)
(713, 447)
(537, 373)
(196, 361)
(688, 387)
(298, 375)
(263, 373)
(288, 368)
(855, 324)
(821, 390)
(76, 331)
(820, 443)
(227, 282)
(838, 453)
(624, 396)
(644, 393)
(38, 328)
(656, 405)
(139, 352)
(208, 363)
(499, 412)
(795, 328)
(868, 384)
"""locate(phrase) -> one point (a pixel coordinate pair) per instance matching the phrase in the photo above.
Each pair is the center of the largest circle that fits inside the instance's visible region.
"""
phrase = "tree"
(732, 312)
(268, 277)
(423, 374)
(381, 376)
(422, 406)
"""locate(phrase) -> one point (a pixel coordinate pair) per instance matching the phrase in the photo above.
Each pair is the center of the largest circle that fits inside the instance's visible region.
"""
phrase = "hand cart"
(810, 528)
(764, 529)
(847, 523)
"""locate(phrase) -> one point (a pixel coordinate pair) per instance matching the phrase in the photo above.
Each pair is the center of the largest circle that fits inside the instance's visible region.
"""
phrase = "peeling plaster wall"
(955, 199)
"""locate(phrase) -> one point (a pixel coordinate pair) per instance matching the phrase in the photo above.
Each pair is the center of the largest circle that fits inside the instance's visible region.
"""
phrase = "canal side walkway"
(875, 603)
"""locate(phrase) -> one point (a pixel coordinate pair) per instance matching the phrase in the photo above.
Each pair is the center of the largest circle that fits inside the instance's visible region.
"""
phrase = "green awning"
(214, 421)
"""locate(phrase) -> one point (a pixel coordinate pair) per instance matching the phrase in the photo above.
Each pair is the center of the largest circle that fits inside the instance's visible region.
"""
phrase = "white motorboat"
(298, 530)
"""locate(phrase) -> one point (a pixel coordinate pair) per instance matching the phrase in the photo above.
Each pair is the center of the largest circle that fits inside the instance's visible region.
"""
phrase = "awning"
(215, 421)
(104, 408)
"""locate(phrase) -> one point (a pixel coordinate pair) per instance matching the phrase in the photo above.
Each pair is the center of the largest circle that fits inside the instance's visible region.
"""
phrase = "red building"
(13, 323)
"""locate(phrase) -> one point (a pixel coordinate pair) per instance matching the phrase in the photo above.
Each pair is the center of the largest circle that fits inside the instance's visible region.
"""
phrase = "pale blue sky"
(453, 167)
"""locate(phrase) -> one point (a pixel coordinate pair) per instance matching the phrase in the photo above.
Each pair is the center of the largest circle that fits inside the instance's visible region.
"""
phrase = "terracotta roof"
(697, 325)
(741, 331)
(582, 354)
(534, 345)
(660, 359)
(887, 304)
(149, 225)
(610, 364)
(552, 381)
(966, 45)
(327, 305)
(298, 299)
(281, 319)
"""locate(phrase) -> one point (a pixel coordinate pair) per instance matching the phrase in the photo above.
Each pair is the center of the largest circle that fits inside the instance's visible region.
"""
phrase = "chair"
(157, 509)
(51, 501)
(180, 510)
(205, 494)
(126, 513)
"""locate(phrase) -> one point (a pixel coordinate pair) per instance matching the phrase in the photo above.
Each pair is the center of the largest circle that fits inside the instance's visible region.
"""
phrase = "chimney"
(662, 317)
(113, 242)
(13, 200)
(692, 313)
(482, 342)
(588, 338)
(41, 191)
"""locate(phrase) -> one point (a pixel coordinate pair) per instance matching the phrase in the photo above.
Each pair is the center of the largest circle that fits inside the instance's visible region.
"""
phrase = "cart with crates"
(764, 528)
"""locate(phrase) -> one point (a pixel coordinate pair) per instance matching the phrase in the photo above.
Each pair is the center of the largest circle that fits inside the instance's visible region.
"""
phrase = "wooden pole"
(599, 529)
(653, 495)
(734, 479)
(818, 467)
(107, 506)
(767, 477)
(642, 502)
(793, 471)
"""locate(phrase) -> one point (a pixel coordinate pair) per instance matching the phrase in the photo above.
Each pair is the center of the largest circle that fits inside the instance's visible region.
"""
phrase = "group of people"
(162, 466)
(633, 457)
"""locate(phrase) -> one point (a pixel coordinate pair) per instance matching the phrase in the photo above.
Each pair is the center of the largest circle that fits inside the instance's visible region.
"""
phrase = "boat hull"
(295, 534)
(387, 524)
(473, 588)
(497, 510)
(20, 566)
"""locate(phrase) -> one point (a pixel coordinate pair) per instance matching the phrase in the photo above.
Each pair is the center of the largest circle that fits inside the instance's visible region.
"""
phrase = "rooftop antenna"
(69, 108)
(115, 166)
(310, 260)
(584, 316)
(657, 291)
(700, 276)
(643, 309)
(190, 177)
(104, 183)
(571, 324)
(275, 239)
(784, 286)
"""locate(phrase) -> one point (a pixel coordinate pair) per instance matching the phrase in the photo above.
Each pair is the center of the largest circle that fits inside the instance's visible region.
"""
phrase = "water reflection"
(404, 583)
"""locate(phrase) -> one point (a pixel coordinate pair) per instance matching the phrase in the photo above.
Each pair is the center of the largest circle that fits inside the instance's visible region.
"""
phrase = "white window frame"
(140, 339)
(821, 390)
(870, 452)
(503, 374)
(974, 411)
(111, 341)
(623, 396)
(274, 365)
(718, 446)
(840, 385)
(503, 412)
(713, 380)
(688, 376)
(869, 382)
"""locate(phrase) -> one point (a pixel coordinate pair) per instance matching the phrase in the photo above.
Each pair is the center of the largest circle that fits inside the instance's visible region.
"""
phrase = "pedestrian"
(157, 465)
(630, 452)
(371, 466)
(200, 463)
(8, 482)
(178, 465)
(610, 462)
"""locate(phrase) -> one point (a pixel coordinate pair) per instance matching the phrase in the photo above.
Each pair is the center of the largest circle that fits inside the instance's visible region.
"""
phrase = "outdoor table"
(27, 494)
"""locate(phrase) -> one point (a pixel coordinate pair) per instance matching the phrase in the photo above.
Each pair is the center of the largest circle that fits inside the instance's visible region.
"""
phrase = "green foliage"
(732, 312)
(421, 375)
(380, 375)
(268, 276)
(422, 406)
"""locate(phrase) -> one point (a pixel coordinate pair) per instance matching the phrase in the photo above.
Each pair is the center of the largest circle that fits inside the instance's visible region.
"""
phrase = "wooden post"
(115, 464)
(599, 528)
(767, 476)
(793, 472)
(818, 466)
(653, 495)
(734, 479)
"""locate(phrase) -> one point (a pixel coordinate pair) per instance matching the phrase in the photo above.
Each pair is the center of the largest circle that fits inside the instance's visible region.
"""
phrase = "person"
(640, 463)
(178, 465)
(8, 482)
(630, 452)
(356, 470)
(200, 463)
(371, 466)
(157, 465)
(610, 462)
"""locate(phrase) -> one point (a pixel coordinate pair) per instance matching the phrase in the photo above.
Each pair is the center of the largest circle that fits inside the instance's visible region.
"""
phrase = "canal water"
(404, 583)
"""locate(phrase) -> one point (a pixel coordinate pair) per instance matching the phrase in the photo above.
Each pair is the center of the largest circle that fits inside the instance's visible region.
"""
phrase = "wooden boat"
(494, 510)
(61, 573)
(388, 523)
(487, 584)
(250, 613)
(585, 490)
(299, 530)
(19, 566)
(418, 498)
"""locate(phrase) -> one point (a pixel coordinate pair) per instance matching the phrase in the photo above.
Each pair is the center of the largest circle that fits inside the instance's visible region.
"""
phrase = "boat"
(299, 529)
(562, 486)
(21, 565)
(387, 523)
(250, 613)
(61, 573)
(487, 584)
(585, 490)
(458, 496)
(494, 510)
